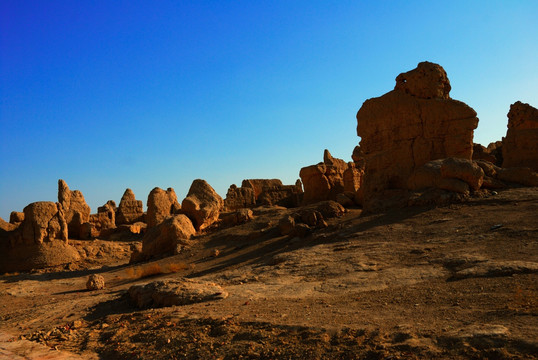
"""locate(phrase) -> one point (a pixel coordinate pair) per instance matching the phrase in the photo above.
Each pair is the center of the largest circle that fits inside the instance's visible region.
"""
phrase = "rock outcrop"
(165, 237)
(325, 180)
(520, 146)
(415, 123)
(44, 221)
(161, 205)
(16, 217)
(129, 210)
(76, 211)
(100, 224)
(239, 198)
(202, 204)
(39, 242)
(271, 192)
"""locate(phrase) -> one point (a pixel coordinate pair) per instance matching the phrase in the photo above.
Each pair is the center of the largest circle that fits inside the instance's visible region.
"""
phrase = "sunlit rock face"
(520, 146)
(411, 125)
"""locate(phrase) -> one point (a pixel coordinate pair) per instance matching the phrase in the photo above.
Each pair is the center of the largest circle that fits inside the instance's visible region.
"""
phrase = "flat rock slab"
(175, 292)
(12, 349)
(497, 268)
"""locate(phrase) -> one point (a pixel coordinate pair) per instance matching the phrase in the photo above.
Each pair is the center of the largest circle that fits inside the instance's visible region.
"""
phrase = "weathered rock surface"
(239, 198)
(237, 217)
(161, 205)
(519, 175)
(175, 292)
(482, 153)
(202, 204)
(95, 282)
(463, 169)
(129, 210)
(324, 180)
(415, 123)
(44, 222)
(102, 223)
(164, 238)
(270, 192)
(39, 242)
(520, 146)
(16, 217)
(76, 210)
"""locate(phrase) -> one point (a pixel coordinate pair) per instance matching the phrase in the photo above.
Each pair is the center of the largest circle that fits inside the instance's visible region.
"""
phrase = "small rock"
(95, 282)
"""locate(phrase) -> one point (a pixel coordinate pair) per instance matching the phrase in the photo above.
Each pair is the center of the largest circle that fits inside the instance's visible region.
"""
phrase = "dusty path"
(459, 281)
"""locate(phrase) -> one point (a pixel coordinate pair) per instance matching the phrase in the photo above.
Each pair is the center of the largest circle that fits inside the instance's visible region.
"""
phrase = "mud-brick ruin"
(416, 148)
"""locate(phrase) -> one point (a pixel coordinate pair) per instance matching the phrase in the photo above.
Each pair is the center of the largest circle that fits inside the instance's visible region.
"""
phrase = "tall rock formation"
(129, 210)
(76, 210)
(409, 126)
(520, 146)
(202, 204)
(161, 204)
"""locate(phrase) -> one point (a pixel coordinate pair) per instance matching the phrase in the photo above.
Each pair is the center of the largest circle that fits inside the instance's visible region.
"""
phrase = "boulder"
(520, 146)
(325, 180)
(463, 169)
(161, 205)
(165, 237)
(75, 208)
(173, 292)
(202, 204)
(95, 282)
(415, 123)
(16, 217)
(239, 198)
(237, 217)
(129, 210)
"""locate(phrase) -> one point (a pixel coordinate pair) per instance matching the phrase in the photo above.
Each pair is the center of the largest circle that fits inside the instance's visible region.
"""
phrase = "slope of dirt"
(458, 281)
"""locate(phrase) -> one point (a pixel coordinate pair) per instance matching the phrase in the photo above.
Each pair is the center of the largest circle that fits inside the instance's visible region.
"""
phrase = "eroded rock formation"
(411, 125)
(76, 210)
(161, 204)
(239, 198)
(520, 146)
(202, 204)
(129, 210)
(165, 237)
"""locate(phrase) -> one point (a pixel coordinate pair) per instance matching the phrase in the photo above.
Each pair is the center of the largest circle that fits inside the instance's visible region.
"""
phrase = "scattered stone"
(161, 205)
(202, 204)
(240, 216)
(286, 225)
(95, 282)
(175, 292)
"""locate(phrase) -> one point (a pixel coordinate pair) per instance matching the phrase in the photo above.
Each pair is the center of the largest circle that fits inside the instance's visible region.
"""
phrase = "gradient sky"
(114, 94)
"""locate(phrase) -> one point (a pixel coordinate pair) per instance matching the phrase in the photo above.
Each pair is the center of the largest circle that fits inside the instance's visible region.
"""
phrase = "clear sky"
(114, 94)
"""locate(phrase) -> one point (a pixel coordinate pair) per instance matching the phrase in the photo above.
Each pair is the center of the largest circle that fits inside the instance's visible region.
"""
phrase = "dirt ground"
(451, 282)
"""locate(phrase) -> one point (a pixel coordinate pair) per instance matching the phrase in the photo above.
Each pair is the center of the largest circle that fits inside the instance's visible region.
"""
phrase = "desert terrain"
(442, 282)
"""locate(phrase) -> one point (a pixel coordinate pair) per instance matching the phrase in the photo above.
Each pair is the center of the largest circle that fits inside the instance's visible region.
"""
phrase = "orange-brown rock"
(324, 180)
(161, 205)
(16, 217)
(5, 226)
(415, 123)
(269, 192)
(519, 175)
(463, 169)
(260, 185)
(520, 146)
(44, 221)
(239, 198)
(165, 237)
(102, 223)
(76, 211)
(129, 210)
(202, 204)
(482, 153)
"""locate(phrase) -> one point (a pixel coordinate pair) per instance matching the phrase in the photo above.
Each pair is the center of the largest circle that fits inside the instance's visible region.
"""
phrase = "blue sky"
(115, 94)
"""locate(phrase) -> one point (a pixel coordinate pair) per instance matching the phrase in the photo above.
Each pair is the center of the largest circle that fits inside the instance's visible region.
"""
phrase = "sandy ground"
(451, 282)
